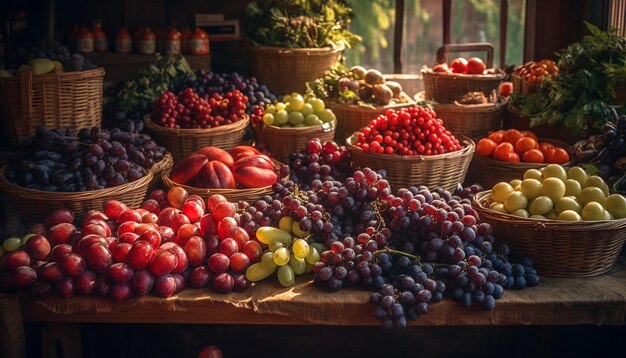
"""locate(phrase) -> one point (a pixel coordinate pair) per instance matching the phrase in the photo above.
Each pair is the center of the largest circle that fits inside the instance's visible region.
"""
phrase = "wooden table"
(556, 301)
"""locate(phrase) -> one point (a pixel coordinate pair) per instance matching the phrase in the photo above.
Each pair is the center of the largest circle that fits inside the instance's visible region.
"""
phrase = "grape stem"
(397, 252)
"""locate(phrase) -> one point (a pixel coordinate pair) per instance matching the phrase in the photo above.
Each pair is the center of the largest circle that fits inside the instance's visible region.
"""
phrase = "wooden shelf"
(124, 66)
(556, 301)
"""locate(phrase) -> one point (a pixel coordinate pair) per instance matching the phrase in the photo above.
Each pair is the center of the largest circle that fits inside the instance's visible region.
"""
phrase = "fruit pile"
(553, 193)
(537, 71)
(47, 57)
(473, 66)
(605, 153)
(408, 131)
(189, 110)
(94, 159)
(358, 86)
(320, 161)
(298, 111)
(212, 167)
(515, 146)
(174, 240)
(207, 83)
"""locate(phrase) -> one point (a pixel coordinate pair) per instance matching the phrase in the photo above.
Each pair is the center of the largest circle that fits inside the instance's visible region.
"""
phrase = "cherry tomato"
(533, 156)
(524, 144)
(502, 151)
(459, 65)
(475, 66)
(561, 156)
(485, 147)
(512, 136)
(505, 89)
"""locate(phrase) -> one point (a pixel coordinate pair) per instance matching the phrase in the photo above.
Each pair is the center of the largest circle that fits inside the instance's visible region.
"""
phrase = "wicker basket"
(182, 142)
(441, 170)
(559, 248)
(285, 70)
(470, 120)
(157, 170)
(59, 100)
(447, 88)
(488, 172)
(281, 142)
(33, 205)
(512, 119)
(352, 117)
(233, 195)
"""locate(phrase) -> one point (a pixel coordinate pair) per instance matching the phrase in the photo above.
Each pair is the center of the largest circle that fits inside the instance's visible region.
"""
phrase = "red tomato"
(512, 136)
(543, 146)
(485, 147)
(512, 158)
(525, 143)
(497, 136)
(533, 156)
(459, 65)
(561, 156)
(505, 89)
(548, 155)
(503, 150)
(530, 134)
(442, 67)
(475, 66)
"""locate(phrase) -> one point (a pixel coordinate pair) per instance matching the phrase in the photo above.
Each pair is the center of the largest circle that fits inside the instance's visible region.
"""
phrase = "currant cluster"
(408, 131)
(189, 110)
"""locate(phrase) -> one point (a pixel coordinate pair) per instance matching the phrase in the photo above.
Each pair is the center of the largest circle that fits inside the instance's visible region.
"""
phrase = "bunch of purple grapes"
(94, 159)
(320, 161)
(207, 83)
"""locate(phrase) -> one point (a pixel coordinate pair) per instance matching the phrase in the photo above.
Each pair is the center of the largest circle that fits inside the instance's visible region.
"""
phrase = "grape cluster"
(190, 110)
(408, 131)
(94, 159)
(54, 51)
(207, 83)
(320, 161)
(413, 286)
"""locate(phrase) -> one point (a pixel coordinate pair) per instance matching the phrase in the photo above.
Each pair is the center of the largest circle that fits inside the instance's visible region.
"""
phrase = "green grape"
(281, 256)
(295, 227)
(268, 259)
(326, 115)
(285, 224)
(275, 245)
(268, 119)
(306, 109)
(12, 244)
(313, 256)
(318, 105)
(280, 106)
(307, 267)
(308, 96)
(270, 109)
(312, 120)
(259, 271)
(296, 102)
(300, 248)
(286, 276)
(318, 246)
(26, 237)
(281, 117)
(287, 98)
(267, 234)
(298, 265)
(296, 118)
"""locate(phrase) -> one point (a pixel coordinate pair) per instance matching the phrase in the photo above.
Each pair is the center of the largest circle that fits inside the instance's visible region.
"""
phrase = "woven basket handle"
(26, 96)
(442, 52)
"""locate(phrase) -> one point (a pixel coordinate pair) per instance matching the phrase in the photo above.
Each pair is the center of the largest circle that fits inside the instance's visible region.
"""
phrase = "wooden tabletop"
(561, 301)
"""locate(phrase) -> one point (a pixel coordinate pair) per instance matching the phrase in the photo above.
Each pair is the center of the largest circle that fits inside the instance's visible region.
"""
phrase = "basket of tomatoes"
(446, 83)
(528, 77)
(506, 154)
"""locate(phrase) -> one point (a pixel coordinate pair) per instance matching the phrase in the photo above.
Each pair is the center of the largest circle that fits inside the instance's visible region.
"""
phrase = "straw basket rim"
(242, 123)
(65, 76)
(489, 76)
(299, 130)
(296, 50)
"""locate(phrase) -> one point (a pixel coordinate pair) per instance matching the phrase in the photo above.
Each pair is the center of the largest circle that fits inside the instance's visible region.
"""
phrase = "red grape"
(128, 238)
(152, 206)
(142, 282)
(193, 210)
(179, 220)
(99, 258)
(120, 292)
(64, 287)
(85, 282)
(167, 215)
(38, 229)
(241, 283)
(223, 282)
(176, 196)
(241, 236)
(223, 210)
(164, 262)
(159, 195)
(102, 286)
(60, 216)
(73, 264)
(152, 236)
(183, 263)
(61, 233)
(16, 259)
(195, 248)
(219, 263)
(226, 227)
(212, 243)
(128, 226)
(52, 272)
(41, 288)
(228, 247)
(208, 224)
(114, 208)
(213, 201)
(200, 277)
(210, 352)
(24, 276)
(239, 262)
(253, 250)
(59, 251)
(129, 215)
(140, 255)
(95, 229)
(165, 286)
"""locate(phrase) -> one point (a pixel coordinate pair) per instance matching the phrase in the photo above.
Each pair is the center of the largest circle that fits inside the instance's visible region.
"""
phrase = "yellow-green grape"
(287, 98)
(286, 276)
(280, 106)
(281, 256)
(326, 115)
(259, 271)
(295, 103)
(319, 247)
(11, 244)
(268, 259)
(281, 117)
(285, 224)
(318, 105)
(26, 237)
(268, 119)
(298, 265)
(270, 109)
(295, 118)
(267, 234)
(300, 248)
(307, 267)
(295, 227)
(306, 109)
(312, 120)
(275, 245)
(313, 256)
